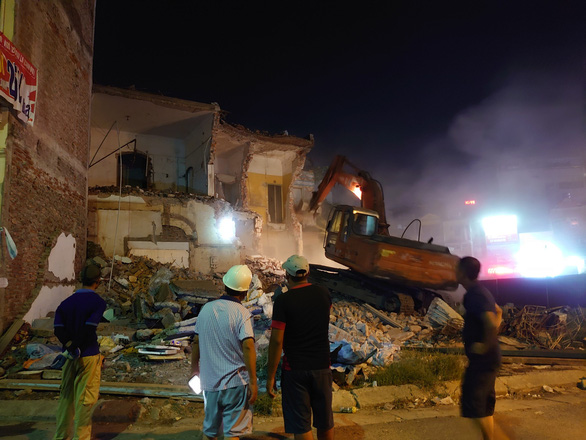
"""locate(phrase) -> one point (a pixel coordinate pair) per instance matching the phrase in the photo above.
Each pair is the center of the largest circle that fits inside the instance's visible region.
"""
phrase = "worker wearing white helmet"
(224, 358)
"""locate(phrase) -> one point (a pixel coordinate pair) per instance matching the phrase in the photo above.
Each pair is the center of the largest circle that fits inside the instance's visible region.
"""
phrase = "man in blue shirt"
(481, 323)
(76, 321)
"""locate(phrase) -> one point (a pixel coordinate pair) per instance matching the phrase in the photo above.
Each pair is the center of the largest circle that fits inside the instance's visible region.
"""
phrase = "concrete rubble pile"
(156, 294)
(153, 307)
(269, 271)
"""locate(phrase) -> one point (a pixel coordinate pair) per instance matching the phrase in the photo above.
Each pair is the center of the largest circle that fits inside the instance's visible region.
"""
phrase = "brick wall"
(45, 191)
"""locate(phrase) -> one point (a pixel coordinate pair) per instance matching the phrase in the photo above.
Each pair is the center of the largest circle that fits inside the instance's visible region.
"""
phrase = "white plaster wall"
(265, 165)
(164, 153)
(204, 218)
(105, 172)
(47, 301)
(175, 257)
(224, 256)
(62, 257)
(230, 162)
(130, 224)
(287, 161)
(197, 155)
(244, 223)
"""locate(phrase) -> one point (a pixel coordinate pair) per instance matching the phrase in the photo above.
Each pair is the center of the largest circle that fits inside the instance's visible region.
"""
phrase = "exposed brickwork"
(45, 192)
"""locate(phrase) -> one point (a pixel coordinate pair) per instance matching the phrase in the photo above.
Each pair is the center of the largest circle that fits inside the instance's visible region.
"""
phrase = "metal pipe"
(115, 151)
(101, 143)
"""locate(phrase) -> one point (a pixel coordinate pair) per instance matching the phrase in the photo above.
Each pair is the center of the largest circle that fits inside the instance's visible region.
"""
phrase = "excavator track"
(379, 293)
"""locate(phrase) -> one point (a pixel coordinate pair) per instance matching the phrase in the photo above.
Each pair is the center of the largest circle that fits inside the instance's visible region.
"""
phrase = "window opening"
(275, 204)
(136, 169)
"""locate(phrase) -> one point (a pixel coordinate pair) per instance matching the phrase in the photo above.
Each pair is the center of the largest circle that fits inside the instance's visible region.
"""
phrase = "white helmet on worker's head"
(238, 278)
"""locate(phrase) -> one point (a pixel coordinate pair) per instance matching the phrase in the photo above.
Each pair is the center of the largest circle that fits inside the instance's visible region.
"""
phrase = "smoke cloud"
(532, 116)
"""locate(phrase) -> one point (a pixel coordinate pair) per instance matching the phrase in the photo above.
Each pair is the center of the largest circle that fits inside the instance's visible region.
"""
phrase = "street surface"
(551, 417)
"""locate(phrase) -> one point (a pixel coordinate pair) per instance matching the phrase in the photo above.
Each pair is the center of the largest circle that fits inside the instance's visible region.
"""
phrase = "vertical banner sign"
(18, 80)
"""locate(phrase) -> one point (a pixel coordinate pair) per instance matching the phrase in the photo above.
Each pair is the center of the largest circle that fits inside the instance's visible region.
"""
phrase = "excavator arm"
(367, 189)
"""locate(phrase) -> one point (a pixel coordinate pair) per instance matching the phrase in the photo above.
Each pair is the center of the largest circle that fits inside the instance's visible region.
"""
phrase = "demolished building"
(198, 192)
(263, 173)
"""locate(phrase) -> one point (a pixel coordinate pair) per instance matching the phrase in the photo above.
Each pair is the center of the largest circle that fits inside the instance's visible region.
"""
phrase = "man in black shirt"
(481, 323)
(301, 318)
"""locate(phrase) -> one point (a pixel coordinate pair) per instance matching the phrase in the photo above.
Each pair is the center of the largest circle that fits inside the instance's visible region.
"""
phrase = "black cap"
(90, 274)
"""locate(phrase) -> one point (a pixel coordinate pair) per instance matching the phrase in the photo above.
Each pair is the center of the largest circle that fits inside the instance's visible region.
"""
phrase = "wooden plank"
(9, 334)
(111, 388)
(384, 318)
(166, 357)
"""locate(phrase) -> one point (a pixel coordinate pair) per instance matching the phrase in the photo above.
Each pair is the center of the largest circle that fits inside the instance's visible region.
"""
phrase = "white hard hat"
(238, 278)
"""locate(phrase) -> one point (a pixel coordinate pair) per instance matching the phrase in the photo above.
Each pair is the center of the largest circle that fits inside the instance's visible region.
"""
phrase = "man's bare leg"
(486, 425)
(325, 435)
(305, 436)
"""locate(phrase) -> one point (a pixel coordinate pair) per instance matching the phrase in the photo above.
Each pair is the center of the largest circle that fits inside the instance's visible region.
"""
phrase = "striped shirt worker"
(222, 325)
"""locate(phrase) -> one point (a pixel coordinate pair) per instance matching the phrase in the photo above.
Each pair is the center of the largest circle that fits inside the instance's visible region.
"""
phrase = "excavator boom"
(368, 190)
(386, 267)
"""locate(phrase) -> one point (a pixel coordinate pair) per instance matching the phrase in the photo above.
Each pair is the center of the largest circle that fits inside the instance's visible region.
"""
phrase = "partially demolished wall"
(143, 223)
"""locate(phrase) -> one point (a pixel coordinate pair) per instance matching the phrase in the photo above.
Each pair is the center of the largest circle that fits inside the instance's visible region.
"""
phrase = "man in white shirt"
(225, 359)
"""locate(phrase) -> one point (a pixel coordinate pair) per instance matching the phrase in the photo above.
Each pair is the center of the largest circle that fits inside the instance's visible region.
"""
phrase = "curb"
(113, 411)
(128, 411)
(369, 397)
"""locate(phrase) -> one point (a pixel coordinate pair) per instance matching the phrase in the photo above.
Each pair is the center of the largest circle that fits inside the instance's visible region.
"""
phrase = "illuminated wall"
(264, 171)
(258, 192)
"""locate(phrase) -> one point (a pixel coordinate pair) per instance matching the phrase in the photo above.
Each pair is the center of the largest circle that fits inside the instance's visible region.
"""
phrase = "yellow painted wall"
(258, 193)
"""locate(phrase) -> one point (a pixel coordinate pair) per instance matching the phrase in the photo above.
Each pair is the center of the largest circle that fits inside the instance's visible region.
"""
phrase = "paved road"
(552, 417)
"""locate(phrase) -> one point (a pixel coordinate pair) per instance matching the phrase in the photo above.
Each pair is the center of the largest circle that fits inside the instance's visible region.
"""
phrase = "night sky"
(429, 96)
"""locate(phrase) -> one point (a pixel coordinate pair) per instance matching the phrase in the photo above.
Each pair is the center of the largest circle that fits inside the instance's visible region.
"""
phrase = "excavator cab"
(346, 222)
(352, 239)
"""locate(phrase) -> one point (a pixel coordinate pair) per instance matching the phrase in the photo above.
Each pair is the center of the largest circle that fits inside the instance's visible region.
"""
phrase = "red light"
(470, 202)
(500, 270)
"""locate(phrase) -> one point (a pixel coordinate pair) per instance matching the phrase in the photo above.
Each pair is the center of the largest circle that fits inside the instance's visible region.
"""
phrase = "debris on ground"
(550, 328)
(152, 309)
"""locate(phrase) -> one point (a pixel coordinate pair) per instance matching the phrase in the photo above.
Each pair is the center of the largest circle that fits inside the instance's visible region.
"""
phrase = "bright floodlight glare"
(195, 384)
(577, 262)
(539, 259)
(500, 225)
(227, 229)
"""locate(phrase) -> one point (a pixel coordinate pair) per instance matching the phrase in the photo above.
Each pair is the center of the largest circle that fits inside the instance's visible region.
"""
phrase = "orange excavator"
(393, 273)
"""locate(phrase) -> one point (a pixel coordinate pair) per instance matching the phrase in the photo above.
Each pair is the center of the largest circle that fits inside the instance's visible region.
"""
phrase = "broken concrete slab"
(52, 374)
(204, 288)
(42, 327)
(175, 307)
(440, 313)
(167, 317)
(164, 293)
(100, 261)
